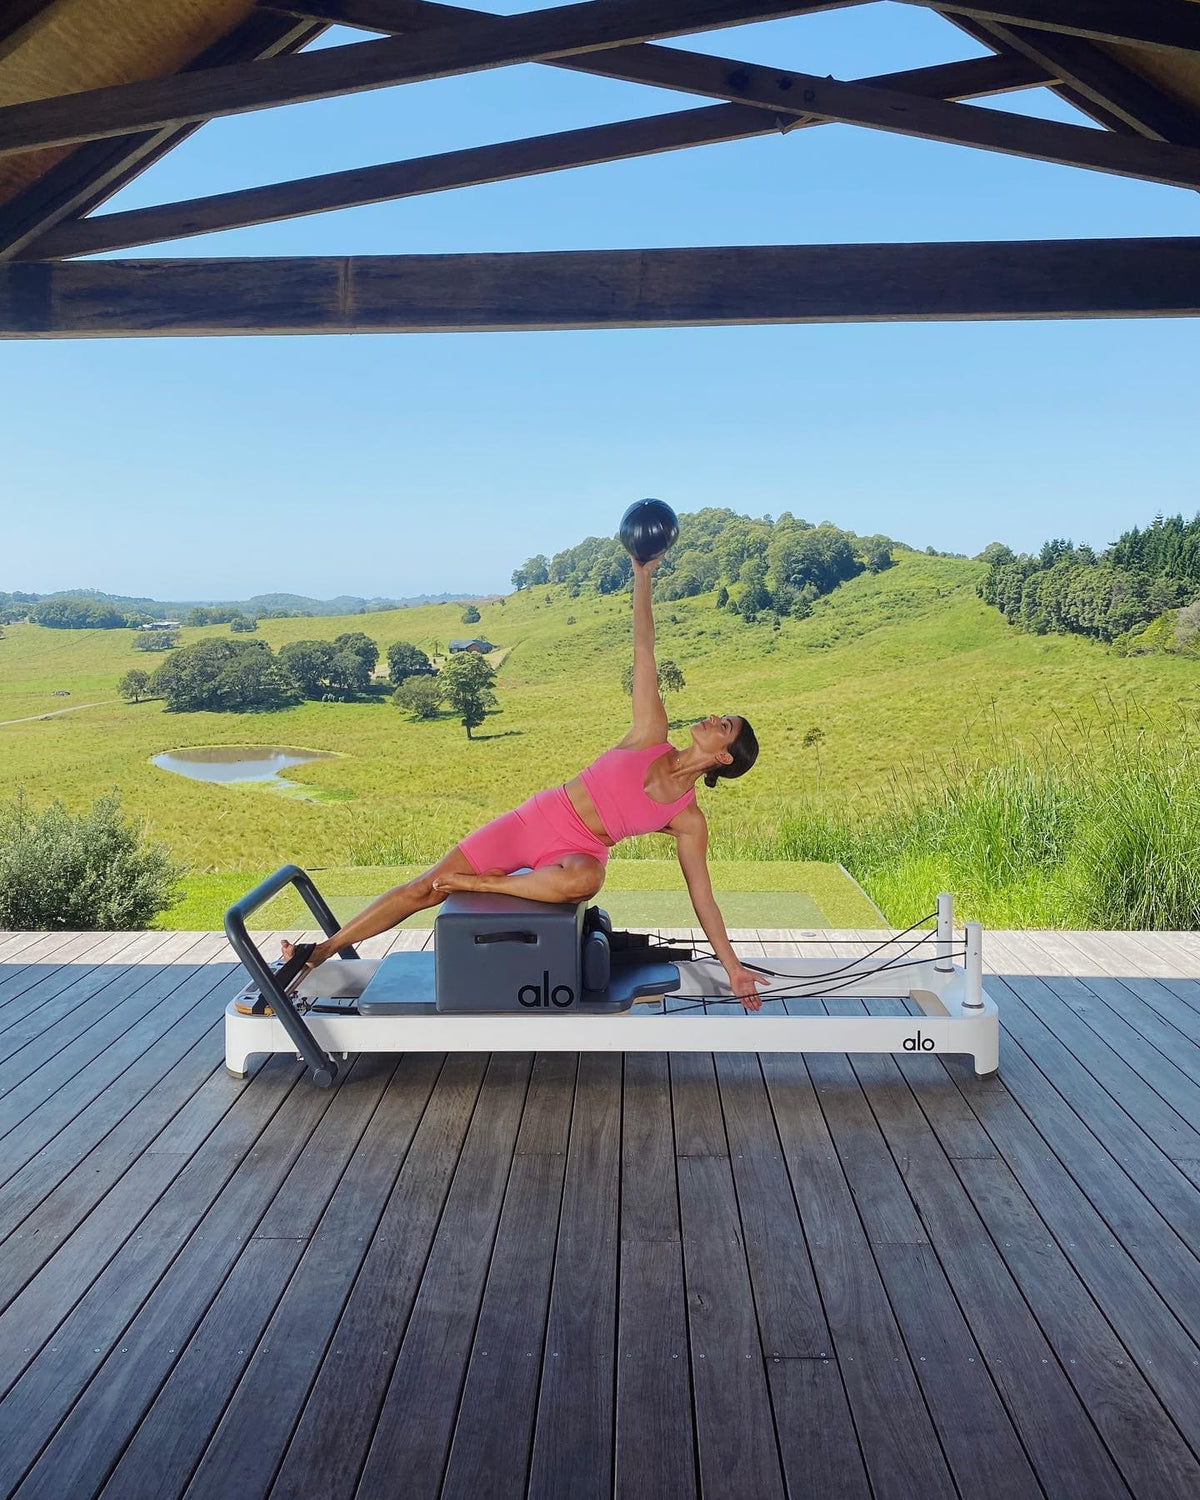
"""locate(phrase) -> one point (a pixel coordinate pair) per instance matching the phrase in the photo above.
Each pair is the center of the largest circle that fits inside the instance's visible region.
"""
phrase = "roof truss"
(601, 289)
(119, 130)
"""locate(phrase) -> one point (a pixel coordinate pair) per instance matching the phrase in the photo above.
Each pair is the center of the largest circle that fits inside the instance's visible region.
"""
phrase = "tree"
(420, 696)
(996, 555)
(467, 680)
(406, 660)
(1187, 626)
(348, 673)
(670, 678)
(309, 664)
(223, 675)
(134, 686)
(243, 624)
(470, 615)
(156, 640)
(363, 647)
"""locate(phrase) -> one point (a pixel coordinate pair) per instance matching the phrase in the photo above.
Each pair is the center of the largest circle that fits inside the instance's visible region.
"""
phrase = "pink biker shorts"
(537, 833)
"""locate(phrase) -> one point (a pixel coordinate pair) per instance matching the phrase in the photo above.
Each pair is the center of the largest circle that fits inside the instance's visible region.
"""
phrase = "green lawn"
(644, 893)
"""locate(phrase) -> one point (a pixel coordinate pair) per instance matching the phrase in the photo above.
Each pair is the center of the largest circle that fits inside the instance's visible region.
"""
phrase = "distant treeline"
(89, 609)
(755, 567)
(1069, 588)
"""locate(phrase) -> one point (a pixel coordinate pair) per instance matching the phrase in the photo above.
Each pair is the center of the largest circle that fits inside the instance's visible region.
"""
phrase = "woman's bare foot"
(320, 952)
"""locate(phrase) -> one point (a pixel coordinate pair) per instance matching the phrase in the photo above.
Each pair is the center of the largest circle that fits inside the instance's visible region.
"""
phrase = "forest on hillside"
(757, 567)
(1113, 595)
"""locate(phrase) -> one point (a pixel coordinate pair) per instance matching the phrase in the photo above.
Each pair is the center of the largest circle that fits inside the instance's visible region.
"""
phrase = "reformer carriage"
(510, 975)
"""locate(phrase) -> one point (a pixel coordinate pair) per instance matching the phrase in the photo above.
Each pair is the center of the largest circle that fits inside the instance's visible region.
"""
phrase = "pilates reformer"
(510, 975)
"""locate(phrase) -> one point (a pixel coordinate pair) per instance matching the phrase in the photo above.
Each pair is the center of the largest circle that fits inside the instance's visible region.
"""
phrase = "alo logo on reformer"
(541, 996)
(918, 1043)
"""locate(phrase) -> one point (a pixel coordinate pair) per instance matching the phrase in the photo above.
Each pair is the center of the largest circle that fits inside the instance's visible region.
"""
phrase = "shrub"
(80, 872)
(421, 696)
(470, 615)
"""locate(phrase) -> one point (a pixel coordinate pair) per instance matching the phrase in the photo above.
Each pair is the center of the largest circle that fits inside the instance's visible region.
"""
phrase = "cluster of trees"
(334, 668)
(227, 675)
(1069, 588)
(756, 567)
(219, 676)
(78, 614)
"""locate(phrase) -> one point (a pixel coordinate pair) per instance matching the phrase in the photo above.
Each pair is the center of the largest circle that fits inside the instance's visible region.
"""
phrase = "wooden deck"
(566, 1277)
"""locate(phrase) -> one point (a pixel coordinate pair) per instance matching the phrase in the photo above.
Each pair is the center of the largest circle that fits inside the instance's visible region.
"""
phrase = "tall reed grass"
(1098, 830)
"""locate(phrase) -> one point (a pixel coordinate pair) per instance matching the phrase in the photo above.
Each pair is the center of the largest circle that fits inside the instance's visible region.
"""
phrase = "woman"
(564, 834)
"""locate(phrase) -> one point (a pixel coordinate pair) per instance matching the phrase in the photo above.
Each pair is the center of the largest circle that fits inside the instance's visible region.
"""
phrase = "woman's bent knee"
(583, 878)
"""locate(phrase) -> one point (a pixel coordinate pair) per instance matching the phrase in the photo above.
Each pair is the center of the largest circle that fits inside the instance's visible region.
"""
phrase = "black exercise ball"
(648, 528)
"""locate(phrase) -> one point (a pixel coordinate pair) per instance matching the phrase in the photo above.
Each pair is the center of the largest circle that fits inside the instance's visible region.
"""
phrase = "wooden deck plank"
(1140, 1190)
(654, 1431)
(40, 1037)
(244, 1452)
(329, 1445)
(61, 1369)
(1119, 1014)
(416, 1422)
(349, 1164)
(54, 1056)
(106, 1113)
(131, 1369)
(184, 1015)
(980, 1445)
(1111, 1268)
(494, 1427)
(899, 1446)
(943, 1284)
(573, 1431)
(34, 986)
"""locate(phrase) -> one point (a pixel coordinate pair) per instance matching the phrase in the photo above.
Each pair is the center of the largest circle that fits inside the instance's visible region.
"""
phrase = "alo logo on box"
(918, 1043)
(536, 997)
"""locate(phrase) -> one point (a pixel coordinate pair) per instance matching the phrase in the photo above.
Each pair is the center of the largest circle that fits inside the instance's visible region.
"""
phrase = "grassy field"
(903, 672)
(641, 892)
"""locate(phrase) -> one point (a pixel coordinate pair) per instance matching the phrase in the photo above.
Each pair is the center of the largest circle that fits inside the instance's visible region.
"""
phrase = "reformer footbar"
(508, 974)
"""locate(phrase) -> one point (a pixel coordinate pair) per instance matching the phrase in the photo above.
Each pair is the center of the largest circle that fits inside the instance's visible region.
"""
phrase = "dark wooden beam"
(602, 289)
(15, 16)
(723, 78)
(1092, 80)
(96, 170)
(498, 41)
(1165, 25)
(496, 163)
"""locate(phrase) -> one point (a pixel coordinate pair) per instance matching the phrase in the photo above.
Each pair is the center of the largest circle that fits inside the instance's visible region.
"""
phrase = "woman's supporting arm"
(692, 846)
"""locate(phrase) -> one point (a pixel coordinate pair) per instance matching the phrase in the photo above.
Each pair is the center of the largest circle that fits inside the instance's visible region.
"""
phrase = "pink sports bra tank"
(614, 782)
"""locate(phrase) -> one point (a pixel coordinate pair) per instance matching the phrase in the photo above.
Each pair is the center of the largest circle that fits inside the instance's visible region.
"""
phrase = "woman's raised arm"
(649, 715)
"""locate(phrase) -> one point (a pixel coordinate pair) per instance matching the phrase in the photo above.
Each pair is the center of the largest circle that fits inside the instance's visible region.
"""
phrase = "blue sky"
(399, 464)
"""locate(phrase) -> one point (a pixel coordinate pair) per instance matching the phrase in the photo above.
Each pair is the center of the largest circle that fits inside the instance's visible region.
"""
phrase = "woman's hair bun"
(710, 778)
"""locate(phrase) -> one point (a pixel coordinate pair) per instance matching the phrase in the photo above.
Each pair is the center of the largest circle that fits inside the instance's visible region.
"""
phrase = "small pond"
(234, 762)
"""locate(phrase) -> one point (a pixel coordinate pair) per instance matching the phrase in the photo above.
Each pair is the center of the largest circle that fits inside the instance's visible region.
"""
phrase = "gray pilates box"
(503, 953)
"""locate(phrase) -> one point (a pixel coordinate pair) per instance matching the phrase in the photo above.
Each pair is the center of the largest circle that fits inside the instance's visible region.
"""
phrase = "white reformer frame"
(958, 1016)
